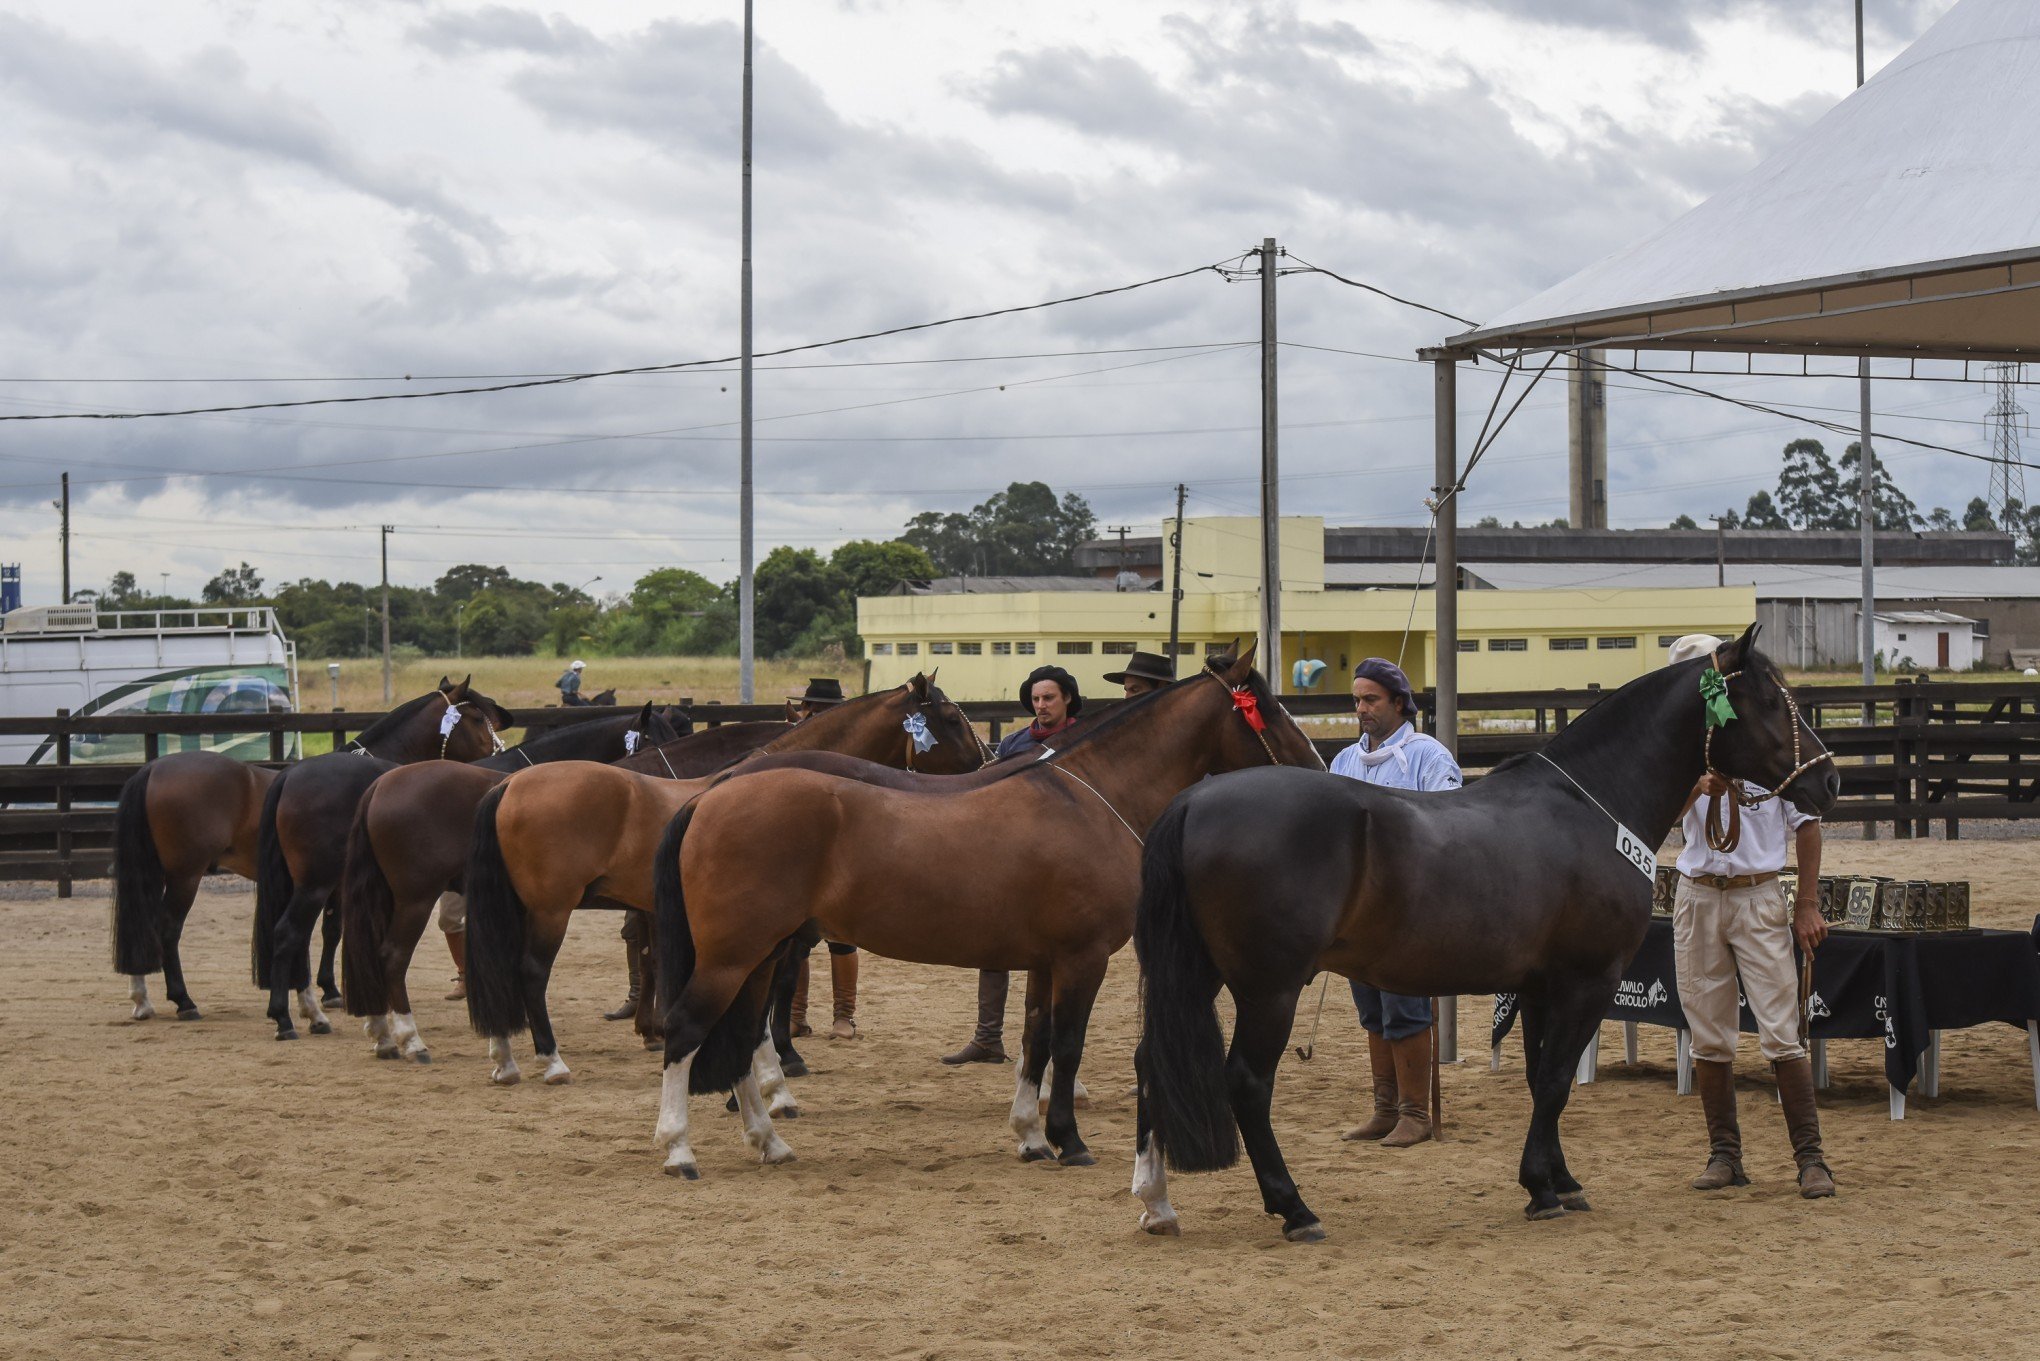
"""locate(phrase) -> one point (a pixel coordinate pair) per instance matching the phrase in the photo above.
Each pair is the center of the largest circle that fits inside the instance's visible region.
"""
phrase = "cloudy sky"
(216, 202)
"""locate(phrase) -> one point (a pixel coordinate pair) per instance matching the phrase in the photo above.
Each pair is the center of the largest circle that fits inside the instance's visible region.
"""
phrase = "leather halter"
(1725, 837)
(454, 706)
(984, 752)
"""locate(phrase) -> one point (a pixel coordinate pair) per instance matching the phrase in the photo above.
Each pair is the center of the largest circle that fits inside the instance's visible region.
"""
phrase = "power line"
(609, 373)
(1381, 292)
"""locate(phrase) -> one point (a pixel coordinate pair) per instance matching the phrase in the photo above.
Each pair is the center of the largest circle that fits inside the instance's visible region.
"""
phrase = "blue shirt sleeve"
(1438, 770)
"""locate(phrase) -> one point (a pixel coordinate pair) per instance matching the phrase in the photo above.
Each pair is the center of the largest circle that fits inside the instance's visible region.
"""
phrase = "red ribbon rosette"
(1249, 706)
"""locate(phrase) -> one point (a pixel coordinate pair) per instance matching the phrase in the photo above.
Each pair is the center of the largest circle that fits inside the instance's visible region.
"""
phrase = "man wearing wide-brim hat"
(1145, 671)
(823, 692)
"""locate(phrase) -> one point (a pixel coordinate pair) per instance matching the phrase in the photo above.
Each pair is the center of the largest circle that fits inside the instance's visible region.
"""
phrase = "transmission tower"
(2007, 477)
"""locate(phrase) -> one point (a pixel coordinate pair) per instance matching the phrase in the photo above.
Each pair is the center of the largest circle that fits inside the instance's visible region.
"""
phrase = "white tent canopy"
(1906, 222)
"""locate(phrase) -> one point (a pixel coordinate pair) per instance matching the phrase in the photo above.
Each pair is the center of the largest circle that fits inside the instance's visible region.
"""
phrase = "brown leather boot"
(843, 981)
(456, 941)
(1716, 1082)
(1413, 1090)
(1382, 1057)
(986, 1046)
(797, 1026)
(633, 955)
(1802, 1121)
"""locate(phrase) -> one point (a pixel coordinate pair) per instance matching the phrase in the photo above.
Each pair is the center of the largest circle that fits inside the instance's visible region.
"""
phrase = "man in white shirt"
(1730, 918)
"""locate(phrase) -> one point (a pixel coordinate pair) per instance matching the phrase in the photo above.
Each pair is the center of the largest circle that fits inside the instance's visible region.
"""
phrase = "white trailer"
(223, 660)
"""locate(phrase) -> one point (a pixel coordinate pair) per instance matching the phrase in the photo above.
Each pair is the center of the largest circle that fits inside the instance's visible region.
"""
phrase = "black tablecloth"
(1865, 984)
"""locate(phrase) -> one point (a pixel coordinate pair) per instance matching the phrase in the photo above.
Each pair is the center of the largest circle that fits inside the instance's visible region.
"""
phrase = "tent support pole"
(1445, 604)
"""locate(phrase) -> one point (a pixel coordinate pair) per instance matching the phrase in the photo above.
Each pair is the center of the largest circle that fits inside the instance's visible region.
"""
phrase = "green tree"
(121, 591)
(1021, 531)
(1890, 508)
(1684, 522)
(1939, 520)
(234, 586)
(1762, 513)
(797, 594)
(1977, 515)
(1809, 492)
(661, 614)
(871, 568)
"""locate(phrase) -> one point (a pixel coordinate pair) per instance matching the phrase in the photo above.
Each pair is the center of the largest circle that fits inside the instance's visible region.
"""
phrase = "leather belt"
(1732, 880)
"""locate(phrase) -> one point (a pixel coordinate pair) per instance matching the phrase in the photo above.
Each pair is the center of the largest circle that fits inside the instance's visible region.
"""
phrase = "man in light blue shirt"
(1393, 754)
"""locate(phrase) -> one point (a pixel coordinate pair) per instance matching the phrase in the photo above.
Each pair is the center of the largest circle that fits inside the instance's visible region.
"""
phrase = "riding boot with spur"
(1802, 1121)
(987, 1045)
(1413, 1090)
(1381, 1055)
(456, 942)
(1716, 1081)
(633, 952)
(797, 1026)
(843, 981)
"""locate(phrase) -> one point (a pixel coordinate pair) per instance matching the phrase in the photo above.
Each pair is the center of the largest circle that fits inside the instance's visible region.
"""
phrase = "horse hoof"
(144, 1012)
(1081, 1158)
(793, 1067)
(322, 1027)
(653, 1044)
(1534, 1212)
(731, 1103)
(423, 1056)
(188, 1014)
(506, 1077)
(331, 997)
(387, 1054)
(558, 1079)
(1161, 1228)
(1037, 1155)
(1312, 1232)
(1574, 1201)
(684, 1171)
(286, 1034)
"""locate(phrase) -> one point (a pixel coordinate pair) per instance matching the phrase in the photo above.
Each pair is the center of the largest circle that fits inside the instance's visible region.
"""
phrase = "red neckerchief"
(1036, 731)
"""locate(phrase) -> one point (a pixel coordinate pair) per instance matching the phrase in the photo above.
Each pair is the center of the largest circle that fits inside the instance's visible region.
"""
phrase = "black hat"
(822, 690)
(1145, 666)
(1064, 682)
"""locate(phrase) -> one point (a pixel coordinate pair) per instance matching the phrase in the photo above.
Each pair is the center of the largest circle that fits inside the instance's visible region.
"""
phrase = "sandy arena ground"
(200, 1190)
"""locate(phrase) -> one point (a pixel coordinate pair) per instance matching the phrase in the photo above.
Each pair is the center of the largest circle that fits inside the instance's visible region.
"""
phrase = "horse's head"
(648, 728)
(1763, 739)
(1260, 731)
(943, 740)
(469, 725)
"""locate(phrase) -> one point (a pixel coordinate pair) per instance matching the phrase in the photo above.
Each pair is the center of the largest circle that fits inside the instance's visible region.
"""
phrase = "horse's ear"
(919, 684)
(1242, 666)
(445, 683)
(460, 691)
(792, 714)
(1736, 655)
(644, 716)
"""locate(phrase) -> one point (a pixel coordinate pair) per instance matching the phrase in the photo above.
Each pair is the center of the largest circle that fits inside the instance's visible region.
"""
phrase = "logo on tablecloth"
(1883, 1006)
(1816, 1006)
(1634, 993)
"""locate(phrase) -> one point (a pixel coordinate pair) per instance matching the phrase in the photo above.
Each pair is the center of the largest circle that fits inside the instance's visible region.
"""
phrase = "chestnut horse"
(1536, 880)
(549, 841)
(1050, 877)
(415, 823)
(305, 816)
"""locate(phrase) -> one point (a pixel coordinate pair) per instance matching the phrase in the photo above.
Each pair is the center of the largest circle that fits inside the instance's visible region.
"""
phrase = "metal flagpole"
(746, 602)
(1865, 507)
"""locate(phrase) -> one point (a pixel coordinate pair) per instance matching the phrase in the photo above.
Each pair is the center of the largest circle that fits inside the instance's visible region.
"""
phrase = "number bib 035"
(1630, 847)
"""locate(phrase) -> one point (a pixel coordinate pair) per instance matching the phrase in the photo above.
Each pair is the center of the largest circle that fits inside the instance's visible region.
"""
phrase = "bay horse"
(302, 837)
(1046, 882)
(1534, 880)
(408, 844)
(549, 841)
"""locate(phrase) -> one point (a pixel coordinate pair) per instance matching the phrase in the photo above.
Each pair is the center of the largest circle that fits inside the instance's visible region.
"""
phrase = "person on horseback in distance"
(1051, 695)
(1393, 754)
(1730, 919)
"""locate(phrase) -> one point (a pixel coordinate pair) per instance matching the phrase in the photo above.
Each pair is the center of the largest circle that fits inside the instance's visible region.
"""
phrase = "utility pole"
(1865, 510)
(64, 536)
(1122, 531)
(1271, 522)
(746, 598)
(1720, 550)
(1176, 586)
(386, 612)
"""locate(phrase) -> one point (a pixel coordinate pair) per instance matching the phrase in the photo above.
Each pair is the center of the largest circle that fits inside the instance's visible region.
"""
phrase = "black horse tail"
(367, 906)
(139, 886)
(725, 1052)
(273, 883)
(1181, 1059)
(495, 931)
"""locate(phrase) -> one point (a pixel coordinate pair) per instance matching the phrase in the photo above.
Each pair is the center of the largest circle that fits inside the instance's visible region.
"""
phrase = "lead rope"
(1726, 838)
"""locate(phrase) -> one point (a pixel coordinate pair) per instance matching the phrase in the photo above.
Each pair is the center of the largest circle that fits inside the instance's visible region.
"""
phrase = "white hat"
(1693, 645)
(579, 664)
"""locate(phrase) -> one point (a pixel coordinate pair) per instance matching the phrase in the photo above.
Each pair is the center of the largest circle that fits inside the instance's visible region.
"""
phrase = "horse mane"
(1614, 701)
(555, 737)
(390, 721)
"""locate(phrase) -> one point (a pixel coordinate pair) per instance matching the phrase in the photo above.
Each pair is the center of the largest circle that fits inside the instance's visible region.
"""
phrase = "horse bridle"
(1248, 705)
(1726, 838)
(446, 734)
(984, 752)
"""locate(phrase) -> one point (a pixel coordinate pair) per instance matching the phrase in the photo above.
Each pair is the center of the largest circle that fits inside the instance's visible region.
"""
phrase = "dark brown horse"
(302, 841)
(409, 843)
(1053, 860)
(180, 818)
(549, 841)
(1536, 881)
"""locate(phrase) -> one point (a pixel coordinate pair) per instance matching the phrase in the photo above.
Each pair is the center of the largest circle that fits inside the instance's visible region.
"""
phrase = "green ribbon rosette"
(1714, 698)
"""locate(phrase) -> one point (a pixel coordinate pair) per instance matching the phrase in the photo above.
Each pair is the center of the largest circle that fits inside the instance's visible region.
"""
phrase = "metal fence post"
(63, 736)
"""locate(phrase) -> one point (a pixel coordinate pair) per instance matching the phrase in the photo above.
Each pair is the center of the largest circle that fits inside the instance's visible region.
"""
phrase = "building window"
(1179, 649)
(1116, 649)
(881, 649)
(1508, 644)
(1667, 639)
(1002, 649)
(1617, 644)
(1023, 649)
(942, 649)
(1901, 637)
(970, 649)
(909, 649)
(1073, 649)
(1469, 644)
(1218, 649)
(1568, 644)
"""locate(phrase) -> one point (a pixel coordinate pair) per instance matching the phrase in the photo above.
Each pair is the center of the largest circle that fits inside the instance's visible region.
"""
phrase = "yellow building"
(986, 635)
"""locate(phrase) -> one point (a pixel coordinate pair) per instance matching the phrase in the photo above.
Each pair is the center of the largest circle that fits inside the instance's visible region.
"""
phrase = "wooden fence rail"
(1908, 754)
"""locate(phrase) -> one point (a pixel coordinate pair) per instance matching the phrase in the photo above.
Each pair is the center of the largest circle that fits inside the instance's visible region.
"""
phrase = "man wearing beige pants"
(1730, 919)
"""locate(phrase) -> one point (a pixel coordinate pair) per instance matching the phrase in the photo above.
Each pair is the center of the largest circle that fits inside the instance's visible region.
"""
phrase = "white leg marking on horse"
(771, 1080)
(378, 1028)
(758, 1131)
(138, 993)
(404, 1031)
(506, 1073)
(556, 1070)
(1026, 1119)
(670, 1137)
(1151, 1185)
(308, 1002)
